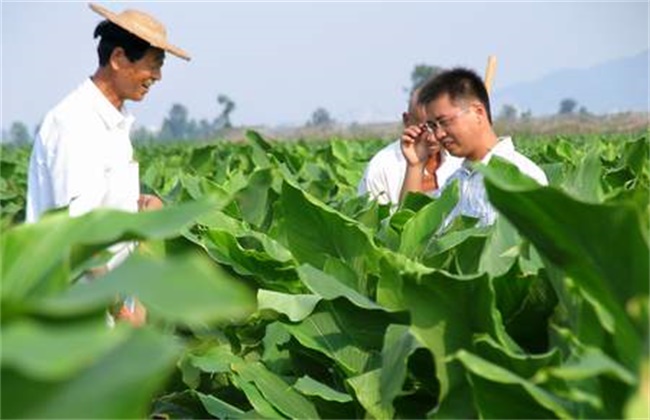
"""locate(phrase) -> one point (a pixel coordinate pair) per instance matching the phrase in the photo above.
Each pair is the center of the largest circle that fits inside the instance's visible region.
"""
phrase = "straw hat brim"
(143, 26)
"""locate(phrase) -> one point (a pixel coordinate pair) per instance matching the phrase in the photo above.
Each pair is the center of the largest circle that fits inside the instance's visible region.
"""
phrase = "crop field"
(273, 291)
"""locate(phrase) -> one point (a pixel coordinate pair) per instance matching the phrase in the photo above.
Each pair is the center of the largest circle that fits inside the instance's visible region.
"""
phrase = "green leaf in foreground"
(188, 289)
(56, 352)
(119, 384)
(598, 245)
(53, 237)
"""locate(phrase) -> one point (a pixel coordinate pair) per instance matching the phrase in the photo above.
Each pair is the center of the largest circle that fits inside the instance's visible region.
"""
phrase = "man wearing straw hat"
(82, 156)
(458, 117)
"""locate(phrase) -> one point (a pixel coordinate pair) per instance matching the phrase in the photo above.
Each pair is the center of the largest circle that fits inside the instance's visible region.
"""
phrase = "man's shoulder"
(72, 105)
(71, 114)
(525, 165)
(389, 154)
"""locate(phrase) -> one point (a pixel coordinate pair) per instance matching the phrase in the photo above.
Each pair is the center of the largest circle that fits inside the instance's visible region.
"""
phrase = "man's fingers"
(411, 135)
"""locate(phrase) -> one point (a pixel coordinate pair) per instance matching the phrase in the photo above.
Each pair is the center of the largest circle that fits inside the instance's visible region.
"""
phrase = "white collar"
(112, 116)
(503, 147)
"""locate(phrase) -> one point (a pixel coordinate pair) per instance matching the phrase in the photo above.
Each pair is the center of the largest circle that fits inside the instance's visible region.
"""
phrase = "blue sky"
(280, 61)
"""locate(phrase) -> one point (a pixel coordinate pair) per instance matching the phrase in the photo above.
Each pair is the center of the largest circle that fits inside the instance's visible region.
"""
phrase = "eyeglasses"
(434, 125)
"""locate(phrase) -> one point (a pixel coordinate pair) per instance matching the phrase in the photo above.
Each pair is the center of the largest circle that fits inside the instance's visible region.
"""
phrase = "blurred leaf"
(56, 352)
(53, 237)
(119, 384)
(311, 387)
(187, 290)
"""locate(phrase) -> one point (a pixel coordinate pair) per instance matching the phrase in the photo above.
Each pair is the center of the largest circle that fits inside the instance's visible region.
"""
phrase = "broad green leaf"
(366, 388)
(217, 359)
(315, 233)
(521, 364)
(57, 352)
(253, 199)
(295, 307)
(635, 155)
(311, 387)
(120, 384)
(330, 288)
(343, 273)
(399, 344)
(277, 392)
(526, 303)
(347, 334)
(501, 249)
(201, 159)
(188, 290)
(248, 255)
(590, 363)
(596, 244)
(499, 392)
(53, 237)
(256, 398)
(276, 357)
(221, 409)
(446, 313)
(423, 226)
(257, 139)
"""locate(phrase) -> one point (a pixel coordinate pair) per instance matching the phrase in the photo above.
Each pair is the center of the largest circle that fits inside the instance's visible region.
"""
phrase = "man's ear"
(480, 111)
(118, 58)
(406, 119)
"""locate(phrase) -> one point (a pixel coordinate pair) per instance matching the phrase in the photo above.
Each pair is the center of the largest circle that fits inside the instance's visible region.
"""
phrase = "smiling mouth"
(146, 85)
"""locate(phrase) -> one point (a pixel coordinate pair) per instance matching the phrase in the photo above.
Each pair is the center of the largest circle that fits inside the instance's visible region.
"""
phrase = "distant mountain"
(614, 86)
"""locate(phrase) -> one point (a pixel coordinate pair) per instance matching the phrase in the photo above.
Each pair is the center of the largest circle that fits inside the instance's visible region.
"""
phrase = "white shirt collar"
(504, 147)
(111, 116)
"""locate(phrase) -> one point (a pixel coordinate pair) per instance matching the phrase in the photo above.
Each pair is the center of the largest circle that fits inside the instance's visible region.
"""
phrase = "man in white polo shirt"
(458, 117)
(82, 156)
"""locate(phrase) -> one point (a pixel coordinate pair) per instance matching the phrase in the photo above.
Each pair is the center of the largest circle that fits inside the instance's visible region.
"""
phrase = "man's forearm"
(412, 180)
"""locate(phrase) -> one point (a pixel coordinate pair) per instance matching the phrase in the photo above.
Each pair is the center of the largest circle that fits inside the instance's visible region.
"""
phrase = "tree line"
(178, 126)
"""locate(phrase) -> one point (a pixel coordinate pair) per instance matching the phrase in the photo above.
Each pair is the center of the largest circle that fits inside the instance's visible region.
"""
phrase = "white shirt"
(473, 199)
(384, 175)
(82, 157)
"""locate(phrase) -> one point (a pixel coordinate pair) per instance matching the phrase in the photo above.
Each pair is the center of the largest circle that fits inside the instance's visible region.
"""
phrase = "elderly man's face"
(135, 78)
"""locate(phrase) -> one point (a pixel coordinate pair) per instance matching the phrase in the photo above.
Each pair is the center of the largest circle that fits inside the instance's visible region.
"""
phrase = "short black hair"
(460, 84)
(112, 36)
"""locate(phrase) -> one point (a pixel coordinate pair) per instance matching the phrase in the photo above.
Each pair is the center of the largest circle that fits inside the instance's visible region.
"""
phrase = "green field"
(274, 291)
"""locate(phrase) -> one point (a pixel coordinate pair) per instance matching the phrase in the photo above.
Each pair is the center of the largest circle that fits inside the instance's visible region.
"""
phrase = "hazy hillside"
(613, 86)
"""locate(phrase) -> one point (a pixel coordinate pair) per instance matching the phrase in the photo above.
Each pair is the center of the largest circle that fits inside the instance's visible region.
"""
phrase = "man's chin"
(450, 148)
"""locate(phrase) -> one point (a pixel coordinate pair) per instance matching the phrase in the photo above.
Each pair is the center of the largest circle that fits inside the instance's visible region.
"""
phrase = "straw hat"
(143, 26)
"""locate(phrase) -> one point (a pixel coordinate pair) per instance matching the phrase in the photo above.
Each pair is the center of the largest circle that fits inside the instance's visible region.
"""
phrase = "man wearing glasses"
(458, 117)
(384, 175)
